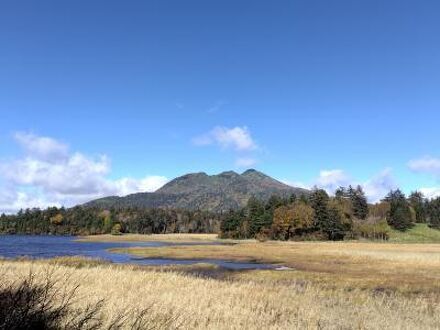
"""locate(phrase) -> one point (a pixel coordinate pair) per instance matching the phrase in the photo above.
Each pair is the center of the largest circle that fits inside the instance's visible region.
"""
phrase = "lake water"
(14, 246)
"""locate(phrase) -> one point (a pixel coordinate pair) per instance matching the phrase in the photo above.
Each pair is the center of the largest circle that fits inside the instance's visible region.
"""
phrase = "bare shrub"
(31, 304)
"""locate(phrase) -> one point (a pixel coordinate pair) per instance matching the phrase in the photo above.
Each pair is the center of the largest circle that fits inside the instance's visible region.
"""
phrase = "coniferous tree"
(434, 213)
(318, 201)
(340, 193)
(337, 226)
(86, 221)
(359, 202)
(418, 203)
(255, 207)
(399, 215)
(292, 198)
(256, 216)
(275, 202)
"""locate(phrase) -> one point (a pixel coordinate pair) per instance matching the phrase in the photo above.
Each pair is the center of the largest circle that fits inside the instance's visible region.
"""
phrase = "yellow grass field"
(398, 267)
(151, 238)
(332, 285)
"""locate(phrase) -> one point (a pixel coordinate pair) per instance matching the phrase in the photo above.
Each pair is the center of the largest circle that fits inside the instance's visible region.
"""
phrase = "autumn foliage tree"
(339, 220)
(291, 220)
(57, 219)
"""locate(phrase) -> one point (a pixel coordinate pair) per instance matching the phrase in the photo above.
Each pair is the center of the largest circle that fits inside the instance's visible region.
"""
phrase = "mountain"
(206, 192)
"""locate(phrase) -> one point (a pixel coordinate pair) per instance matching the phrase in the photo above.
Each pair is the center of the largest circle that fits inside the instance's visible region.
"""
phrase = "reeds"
(251, 300)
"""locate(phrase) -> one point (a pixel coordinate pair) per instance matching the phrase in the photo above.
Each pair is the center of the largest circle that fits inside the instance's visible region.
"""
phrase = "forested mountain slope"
(227, 190)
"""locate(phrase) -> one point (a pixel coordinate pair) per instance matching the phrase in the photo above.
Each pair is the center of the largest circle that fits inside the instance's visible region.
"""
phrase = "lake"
(15, 246)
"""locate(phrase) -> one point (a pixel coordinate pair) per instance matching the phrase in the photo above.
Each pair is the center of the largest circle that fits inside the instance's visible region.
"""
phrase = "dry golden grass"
(402, 267)
(151, 238)
(333, 285)
(255, 300)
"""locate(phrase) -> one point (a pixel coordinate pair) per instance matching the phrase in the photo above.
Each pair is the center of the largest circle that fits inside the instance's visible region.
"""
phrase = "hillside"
(227, 190)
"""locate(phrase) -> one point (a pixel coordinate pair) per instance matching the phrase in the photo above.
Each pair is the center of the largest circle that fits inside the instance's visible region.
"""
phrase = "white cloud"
(12, 200)
(41, 146)
(245, 162)
(375, 188)
(74, 175)
(330, 180)
(426, 164)
(431, 192)
(380, 185)
(127, 186)
(237, 138)
(296, 184)
(48, 174)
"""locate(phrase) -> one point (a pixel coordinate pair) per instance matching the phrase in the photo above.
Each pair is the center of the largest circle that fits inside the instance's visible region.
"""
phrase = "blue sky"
(113, 93)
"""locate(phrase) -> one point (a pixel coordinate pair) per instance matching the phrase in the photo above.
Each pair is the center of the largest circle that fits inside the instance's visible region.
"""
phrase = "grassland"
(420, 233)
(330, 285)
(250, 300)
(175, 238)
(382, 266)
(403, 267)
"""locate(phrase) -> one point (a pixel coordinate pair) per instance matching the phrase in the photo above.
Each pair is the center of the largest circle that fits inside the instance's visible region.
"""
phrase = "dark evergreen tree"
(303, 198)
(255, 207)
(418, 203)
(230, 224)
(340, 193)
(434, 213)
(292, 199)
(274, 202)
(359, 202)
(257, 216)
(318, 201)
(335, 227)
(399, 215)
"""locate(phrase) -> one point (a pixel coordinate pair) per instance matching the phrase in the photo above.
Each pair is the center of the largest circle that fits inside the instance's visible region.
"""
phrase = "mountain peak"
(249, 171)
(254, 173)
(195, 174)
(221, 192)
(228, 174)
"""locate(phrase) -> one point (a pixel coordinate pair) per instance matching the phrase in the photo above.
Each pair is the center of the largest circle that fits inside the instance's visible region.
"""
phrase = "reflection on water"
(14, 246)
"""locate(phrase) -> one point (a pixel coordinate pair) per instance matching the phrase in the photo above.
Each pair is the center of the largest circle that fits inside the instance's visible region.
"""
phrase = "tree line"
(317, 215)
(93, 220)
(347, 214)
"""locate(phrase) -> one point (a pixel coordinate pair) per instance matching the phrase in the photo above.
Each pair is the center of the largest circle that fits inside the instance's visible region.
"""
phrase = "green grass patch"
(420, 233)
